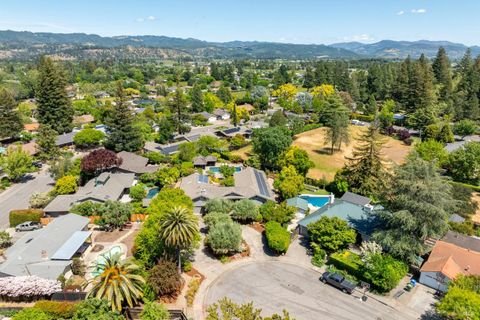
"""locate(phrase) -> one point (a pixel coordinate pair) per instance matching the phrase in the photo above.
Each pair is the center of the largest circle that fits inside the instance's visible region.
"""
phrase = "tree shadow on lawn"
(325, 151)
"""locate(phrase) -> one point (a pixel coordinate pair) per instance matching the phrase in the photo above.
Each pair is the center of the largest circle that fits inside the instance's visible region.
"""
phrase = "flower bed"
(27, 288)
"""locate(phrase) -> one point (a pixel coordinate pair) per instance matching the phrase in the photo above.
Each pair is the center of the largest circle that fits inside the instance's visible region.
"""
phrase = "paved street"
(17, 196)
(274, 286)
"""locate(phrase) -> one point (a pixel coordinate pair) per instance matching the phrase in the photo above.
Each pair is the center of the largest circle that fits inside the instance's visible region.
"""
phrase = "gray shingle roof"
(132, 162)
(65, 139)
(355, 198)
(298, 202)
(456, 218)
(467, 242)
(31, 254)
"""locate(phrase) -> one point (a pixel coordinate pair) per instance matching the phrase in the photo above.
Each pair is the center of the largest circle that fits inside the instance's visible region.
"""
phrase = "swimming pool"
(101, 259)
(217, 169)
(152, 192)
(316, 201)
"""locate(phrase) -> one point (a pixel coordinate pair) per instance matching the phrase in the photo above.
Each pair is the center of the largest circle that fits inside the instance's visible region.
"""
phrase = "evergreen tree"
(196, 97)
(178, 107)
(11, 123)
(234, 114)
(336, 115)
(123, 135)
(309, 78)
(365, 171)
(423, 83)
(417, 207)
(443, 74)
(46, 143)
(224, 94)
(54, 107)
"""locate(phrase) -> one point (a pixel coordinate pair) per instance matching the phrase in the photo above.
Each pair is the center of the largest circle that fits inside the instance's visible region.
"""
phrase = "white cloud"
(362, 37)
(151, 18)
(401, 12)
(419, 11)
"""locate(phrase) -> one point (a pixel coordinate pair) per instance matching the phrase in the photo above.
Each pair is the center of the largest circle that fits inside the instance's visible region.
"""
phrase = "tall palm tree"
(118, 283)
(178, 229)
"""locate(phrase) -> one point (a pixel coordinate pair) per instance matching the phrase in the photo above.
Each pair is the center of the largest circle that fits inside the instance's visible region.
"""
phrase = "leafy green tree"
(179, 230)
(212, 102)
(331, 234)
(154, 311)
(269, 144)
(465, 128)
(178, 108)
(11, 124)
(224, 94)
(244, 210)
(365, 171)
(119, 282)
(98, 309)
(294, 156)
(63, 166)
(385, 116)
(225, 238)
(432, 150)
(115, 213)
(384, 272)
(187, 151)
(66, 185)
(5, 239)
(138, 192)
(39, 200)
(47, 143)
(462, 300)
(446, 134)
(278, 119)
(15, 162)
(88, 138)
(281, 213)
(219, 205)
(165, 130)
(207, 145)
(226, 309)
(417, 206)
(167, 176)
(289, 182)
(464, 163)
(122, 134)
(54, 107)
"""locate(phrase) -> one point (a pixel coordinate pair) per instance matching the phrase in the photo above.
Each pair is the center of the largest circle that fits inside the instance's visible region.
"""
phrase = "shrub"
(56, 309)
(219, 205)
(281, 213)
(97, 309)
(19, 216)
(278, 238)
(331, 234)
(78, 267)
(213, 218)
(27, 286)
(138, 192)
(164, 279)
(193, 287)
(155, 157)
(244, 210)
(5, 239)
(318, 260)
(403, 134)
(31, 314)
(362, 117)
(154, 311)
(88, 208)
(88, 138)
(39, 200)
(228, 182)
(465, 227)
(348, 261)
(225, 238)
(66, 185)
(383, 272)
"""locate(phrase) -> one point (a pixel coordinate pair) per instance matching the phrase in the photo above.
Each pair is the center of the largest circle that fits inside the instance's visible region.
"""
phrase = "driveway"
(17, 196)
(274, 286)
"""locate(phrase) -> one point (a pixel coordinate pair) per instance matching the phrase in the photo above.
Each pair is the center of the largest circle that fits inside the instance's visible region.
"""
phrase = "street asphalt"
(274, 286)
(17, 196)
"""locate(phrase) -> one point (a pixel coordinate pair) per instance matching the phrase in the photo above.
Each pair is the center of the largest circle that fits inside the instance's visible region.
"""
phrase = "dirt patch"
(244, 152)
(326, 164)
(257, 227)
(106, 236)
(129, 241)
(195, 273)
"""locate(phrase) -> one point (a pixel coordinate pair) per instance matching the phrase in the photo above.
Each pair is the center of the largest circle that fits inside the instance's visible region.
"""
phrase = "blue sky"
(294, 21)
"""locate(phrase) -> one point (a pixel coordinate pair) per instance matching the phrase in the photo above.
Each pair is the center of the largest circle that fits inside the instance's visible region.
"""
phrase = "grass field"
(326, 165)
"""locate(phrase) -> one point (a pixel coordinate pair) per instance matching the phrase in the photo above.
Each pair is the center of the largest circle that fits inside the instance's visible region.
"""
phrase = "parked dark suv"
(338, 281)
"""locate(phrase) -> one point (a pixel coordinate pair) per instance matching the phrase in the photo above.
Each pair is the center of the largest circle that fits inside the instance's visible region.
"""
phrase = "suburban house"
(211, 118)
(202, 162)
(231, 132)
(351, 207)
(133, 163)
(107, 186)
(65, 139)
(250, 184)
(165, 149)
(31, 127)
(84, 119)
(221, 114)
(448, 260)
(47, 252)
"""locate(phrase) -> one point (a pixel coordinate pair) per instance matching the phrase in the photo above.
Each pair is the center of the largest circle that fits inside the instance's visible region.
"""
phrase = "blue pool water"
(316, 201)
(152, 192)
(217, 169)
(101, 259)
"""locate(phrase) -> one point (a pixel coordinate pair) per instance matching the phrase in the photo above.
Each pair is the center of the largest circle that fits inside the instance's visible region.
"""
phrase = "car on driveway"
(338, 281)
(28, 226)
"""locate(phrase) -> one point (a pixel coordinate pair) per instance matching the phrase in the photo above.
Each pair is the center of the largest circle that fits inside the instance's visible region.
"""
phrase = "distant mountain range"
(28, 45)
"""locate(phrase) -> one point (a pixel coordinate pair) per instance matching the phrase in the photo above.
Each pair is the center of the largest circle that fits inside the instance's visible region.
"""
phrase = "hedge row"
(278, 238)
(362, 117)
(348, 261)
(57, 309)
(470, 186)
(20, 216)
